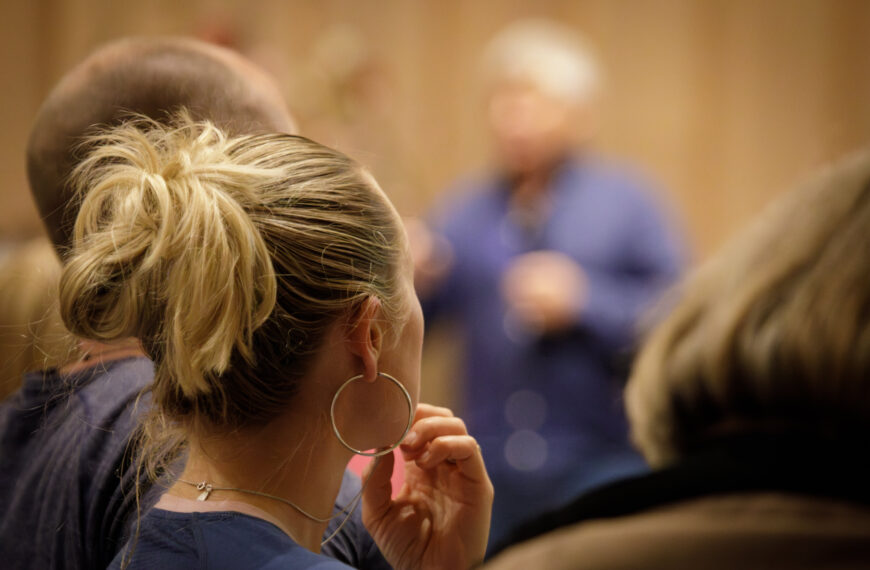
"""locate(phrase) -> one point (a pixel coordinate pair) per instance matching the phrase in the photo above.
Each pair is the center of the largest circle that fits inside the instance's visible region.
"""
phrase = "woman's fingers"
(450, 448)
(428, 410)
(437, 436)
(429, 428)
(446, 468)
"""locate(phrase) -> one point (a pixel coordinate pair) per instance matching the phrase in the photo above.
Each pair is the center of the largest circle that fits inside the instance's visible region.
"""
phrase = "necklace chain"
(206, 489)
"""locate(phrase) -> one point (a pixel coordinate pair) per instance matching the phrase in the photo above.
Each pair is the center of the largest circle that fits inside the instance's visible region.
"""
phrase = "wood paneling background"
(724, 102)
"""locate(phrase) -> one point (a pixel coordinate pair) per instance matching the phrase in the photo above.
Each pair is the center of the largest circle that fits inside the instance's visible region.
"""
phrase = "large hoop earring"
(382, 451)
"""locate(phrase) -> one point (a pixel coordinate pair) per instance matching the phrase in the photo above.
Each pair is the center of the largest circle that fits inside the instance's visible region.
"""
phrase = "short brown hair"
(773, 333)
(148, 76)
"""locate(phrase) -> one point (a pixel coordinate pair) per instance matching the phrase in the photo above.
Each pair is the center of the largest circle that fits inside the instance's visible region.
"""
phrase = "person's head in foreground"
(542, 83)
(152, 77)
(268, 278)
(773, 334)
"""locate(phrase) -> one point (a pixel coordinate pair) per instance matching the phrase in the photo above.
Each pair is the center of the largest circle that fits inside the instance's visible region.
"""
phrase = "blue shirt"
(547, 409)
(217, 541)
(67, 480)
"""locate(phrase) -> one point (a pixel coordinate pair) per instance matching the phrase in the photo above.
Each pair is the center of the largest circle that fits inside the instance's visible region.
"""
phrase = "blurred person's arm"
(654, 259)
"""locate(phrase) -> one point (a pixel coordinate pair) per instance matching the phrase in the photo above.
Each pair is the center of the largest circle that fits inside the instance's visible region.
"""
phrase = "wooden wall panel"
(725, 102)
(20, 91)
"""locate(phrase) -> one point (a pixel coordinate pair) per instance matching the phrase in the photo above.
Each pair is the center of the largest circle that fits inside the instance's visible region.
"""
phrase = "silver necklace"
(206, 488)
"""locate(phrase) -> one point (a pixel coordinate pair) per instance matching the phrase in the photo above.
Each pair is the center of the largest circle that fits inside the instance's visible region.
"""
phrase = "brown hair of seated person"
(148, 76)
(772, 334)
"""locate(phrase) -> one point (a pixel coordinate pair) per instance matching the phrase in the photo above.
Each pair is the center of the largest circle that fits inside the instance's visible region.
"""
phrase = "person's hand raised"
(545, 291)
(441, 516)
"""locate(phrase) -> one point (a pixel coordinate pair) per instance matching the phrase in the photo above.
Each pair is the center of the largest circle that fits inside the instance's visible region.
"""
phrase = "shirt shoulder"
(617, 178)
(218, 541)
(304, 560)
(620, 195)
(469, 198)
(63, 439)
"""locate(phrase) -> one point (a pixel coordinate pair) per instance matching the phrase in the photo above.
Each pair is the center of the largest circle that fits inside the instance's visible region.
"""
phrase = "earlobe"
(365, 337)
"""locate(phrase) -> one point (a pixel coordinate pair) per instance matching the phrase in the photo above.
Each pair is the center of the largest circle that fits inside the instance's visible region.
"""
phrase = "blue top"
(215, 541)
(547, 410)
(67, 482)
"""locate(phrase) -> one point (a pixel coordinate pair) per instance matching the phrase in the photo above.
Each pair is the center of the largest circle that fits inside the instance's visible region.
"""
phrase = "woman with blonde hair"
(752, 402)
(268, 278)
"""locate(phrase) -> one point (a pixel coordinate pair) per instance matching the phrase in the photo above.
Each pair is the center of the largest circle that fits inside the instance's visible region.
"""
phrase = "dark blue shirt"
(547, 409)
(217, 541)
(66, 489)
(67, 480)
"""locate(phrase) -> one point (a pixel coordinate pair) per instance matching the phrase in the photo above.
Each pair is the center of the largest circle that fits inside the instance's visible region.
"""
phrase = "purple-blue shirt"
(547, 410)
(216, 541)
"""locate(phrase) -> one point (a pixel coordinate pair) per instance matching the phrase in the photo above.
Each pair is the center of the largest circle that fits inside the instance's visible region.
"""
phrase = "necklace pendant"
(206, 491)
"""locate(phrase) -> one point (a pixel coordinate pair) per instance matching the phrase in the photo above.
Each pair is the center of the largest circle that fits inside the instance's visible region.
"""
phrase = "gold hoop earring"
(387, 449)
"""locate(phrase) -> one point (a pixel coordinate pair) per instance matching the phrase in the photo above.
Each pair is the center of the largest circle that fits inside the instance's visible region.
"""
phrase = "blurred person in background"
(32, 336)
(67, 478)
(751, 400)
(546, 265)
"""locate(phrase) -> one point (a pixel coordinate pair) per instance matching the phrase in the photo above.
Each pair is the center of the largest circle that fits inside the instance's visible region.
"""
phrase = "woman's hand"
(440, 519)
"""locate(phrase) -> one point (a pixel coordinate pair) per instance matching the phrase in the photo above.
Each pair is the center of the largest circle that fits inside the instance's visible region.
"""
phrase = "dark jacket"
(749, 502)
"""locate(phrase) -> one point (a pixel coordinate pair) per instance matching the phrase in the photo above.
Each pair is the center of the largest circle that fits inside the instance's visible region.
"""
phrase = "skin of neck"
(529, 185)
(94, 352)
(295, 456)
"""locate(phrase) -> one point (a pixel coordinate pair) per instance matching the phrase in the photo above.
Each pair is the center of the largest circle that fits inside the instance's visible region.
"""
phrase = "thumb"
(378, 488)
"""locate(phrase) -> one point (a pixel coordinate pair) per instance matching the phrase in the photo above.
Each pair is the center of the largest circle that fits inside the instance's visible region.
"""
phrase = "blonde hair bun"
(164, 249)
(228, 258)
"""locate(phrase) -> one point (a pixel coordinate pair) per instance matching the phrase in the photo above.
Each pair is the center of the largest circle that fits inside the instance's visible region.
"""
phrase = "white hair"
(553, 57)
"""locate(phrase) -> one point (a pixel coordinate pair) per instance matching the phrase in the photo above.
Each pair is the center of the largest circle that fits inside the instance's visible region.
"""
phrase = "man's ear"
(364, 337)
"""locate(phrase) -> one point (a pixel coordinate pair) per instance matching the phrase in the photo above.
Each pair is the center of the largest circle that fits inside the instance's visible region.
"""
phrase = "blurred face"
(531, 129)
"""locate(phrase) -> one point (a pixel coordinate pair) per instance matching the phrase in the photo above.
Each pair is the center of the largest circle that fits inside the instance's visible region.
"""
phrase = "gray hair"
(551, 56)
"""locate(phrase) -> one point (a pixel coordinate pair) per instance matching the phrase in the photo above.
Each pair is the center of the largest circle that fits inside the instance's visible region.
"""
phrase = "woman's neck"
(93, 353)
(307, 473)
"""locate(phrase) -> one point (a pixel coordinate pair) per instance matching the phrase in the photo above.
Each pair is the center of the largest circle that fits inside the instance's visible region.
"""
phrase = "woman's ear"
(364, 337)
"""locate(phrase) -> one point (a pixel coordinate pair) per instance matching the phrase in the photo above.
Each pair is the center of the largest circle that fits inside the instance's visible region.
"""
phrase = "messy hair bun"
(227, 257)
(167, 252)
